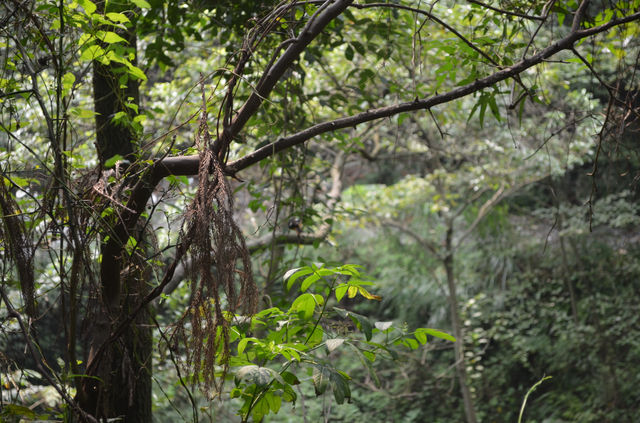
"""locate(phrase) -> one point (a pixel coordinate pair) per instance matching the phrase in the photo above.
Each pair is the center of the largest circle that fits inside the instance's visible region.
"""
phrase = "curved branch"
(436, 20)
(565, 43)
(507, 12)
(314, 27)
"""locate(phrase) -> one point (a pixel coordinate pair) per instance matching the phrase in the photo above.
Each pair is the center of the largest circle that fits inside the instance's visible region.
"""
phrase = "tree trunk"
(118, 382)
(458, 332)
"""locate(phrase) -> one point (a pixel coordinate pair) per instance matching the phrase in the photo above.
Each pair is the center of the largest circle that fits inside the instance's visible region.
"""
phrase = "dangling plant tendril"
(222, 282)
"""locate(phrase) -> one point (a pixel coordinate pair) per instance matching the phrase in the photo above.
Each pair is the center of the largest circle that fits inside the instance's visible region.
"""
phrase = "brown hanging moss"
(218, 244)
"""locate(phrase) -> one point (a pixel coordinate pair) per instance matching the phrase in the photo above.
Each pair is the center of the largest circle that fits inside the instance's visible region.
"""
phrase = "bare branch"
(268, 81)
(433, 18)
(577, 19)
(507, 12)
(426, 244)
(565, 43)
(501, 193)
(34, 350)
(323, 230)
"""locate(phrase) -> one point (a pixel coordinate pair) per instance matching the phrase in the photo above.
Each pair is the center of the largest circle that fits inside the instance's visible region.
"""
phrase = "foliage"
(425, 135)
(306, 335)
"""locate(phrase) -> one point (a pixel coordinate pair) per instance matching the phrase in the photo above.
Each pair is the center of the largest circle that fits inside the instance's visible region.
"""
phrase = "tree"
(101, 252)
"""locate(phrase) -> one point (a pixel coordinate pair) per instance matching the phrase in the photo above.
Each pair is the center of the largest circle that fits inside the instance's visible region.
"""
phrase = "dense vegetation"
(319, 211)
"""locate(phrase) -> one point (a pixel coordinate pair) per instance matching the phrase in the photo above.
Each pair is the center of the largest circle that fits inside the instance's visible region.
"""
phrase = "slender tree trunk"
(118, 382)
(458, 332)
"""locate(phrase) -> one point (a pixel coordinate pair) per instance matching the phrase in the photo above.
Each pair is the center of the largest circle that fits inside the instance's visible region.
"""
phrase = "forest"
(320, 211)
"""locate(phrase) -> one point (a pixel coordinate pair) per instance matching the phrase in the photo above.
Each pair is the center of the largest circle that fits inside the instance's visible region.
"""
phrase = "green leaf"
(18, 410)
(242, 344)
(178, 179)
(68, 79)
(110, 37)
(369, 355)
(142, 4)
(289, 394)
(494, 107)
(308, 281)
(305, 304)
(341, 390)
(340, 291)
(274, 402)
(315, 338)
(82, 113)
(561, 17)
(290, 378)
(436, 333)
(483, 109)
(364, 325)
(292, 275)
(348, 53)
(136, 72)
(359, 47)
(111, 162)
(87, 5)
(117, 17)
(91, 52)
(411, 343)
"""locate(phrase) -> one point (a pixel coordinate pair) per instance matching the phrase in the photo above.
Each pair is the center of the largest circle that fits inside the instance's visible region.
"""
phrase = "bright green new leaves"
(306, 304)
(109, 37)
(88, 6)
(142, 4)
(353, 285)
(294, 338)
(421, 335)
(104, 44)
(117, 17)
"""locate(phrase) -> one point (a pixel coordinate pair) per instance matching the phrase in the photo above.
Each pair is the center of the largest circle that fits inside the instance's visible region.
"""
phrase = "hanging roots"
(221, 270)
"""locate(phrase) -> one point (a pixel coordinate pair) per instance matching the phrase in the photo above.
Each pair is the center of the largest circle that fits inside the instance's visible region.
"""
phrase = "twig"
(507, 12)
(37, 357)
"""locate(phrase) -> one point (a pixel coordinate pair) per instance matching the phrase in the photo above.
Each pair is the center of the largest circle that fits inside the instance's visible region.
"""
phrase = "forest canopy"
(319, 210)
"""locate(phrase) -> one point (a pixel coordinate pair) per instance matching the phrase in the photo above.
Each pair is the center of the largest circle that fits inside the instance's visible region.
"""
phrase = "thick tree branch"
(577, 19)
(268, 81)
(20, 248)
(281, 144)
(188, 165)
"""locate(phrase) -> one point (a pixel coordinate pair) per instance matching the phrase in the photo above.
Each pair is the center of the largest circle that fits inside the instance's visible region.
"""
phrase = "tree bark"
(460, 364)
(118, 382)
